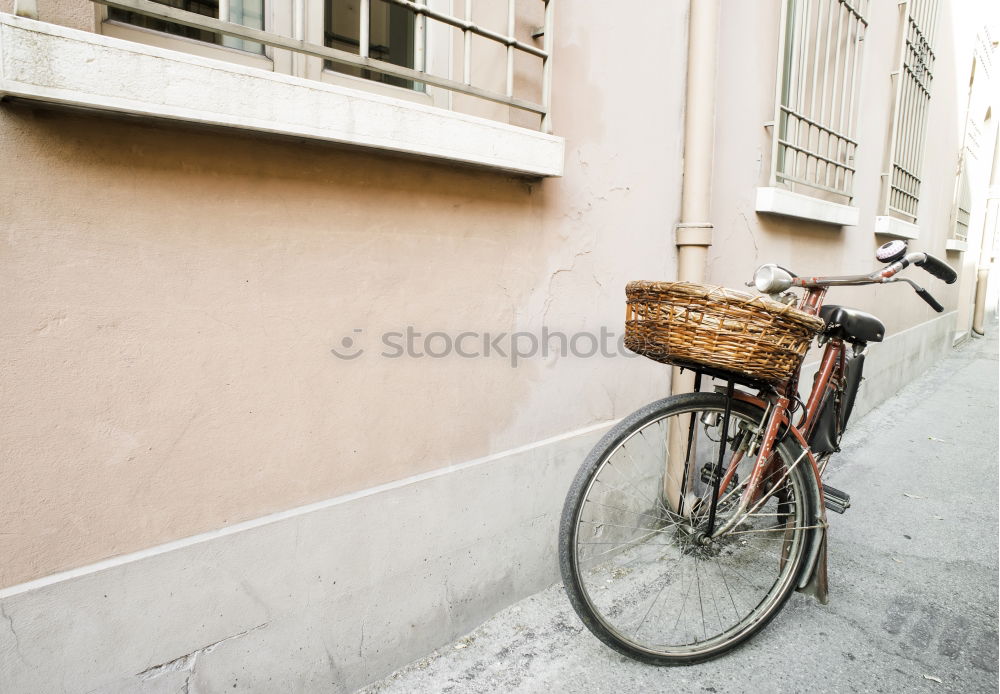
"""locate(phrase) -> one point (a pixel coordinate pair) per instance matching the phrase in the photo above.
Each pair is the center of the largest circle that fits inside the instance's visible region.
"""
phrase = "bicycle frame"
(777, 406)
(640, 517)
(776, 401)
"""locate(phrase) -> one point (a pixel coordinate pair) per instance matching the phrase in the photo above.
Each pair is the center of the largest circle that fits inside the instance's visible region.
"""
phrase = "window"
(138, 26)
(391, 30)
(819, 71)
(249, 13)
(460, 57)
(50, 63)
(978, 128)
(408, 46)
(392, 36)
(963, 207)
(913, 77)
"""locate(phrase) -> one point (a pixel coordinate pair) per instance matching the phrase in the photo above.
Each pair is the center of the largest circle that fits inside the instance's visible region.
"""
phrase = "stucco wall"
(172, 296)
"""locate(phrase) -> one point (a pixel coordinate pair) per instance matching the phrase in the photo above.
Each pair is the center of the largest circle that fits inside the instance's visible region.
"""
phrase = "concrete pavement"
(913, 576)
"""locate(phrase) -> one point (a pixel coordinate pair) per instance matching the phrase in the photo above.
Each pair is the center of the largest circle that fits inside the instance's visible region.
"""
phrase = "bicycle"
(693, 519)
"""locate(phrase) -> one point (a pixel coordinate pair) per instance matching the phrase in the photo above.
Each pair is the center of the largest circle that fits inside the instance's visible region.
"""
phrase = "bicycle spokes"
(645, 563)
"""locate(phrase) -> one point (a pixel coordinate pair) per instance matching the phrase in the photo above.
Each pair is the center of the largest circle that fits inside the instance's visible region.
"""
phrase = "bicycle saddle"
(851, 324)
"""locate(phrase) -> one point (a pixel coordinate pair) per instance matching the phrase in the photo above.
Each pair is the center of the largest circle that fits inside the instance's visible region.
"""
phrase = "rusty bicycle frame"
(776, 402)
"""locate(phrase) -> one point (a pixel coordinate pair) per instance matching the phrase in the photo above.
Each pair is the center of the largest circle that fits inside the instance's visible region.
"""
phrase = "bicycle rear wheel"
(635, 560)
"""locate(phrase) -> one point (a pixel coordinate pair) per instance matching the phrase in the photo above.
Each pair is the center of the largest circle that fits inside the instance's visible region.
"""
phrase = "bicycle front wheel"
(637, 563)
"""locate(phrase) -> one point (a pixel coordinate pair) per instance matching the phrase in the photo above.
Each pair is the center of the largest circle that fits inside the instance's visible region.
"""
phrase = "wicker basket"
(723, 329)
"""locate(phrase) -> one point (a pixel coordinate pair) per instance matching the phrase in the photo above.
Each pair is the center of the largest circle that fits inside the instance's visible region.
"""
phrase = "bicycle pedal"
(708, 477)
(836, 500)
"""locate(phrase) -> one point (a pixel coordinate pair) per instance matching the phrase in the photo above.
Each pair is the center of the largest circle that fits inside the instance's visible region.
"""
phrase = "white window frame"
(277, 17)
(436, 56)
(962, 213)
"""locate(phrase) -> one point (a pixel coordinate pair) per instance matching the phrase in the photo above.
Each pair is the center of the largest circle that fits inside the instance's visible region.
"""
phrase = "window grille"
(249, 13)
(206, 24)
(963, 205)
(909, 124)
(984, 51)
(391, 34)
(819, 73)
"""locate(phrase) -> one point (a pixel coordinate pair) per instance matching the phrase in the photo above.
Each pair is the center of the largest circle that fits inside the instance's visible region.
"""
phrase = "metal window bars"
(963, 207)
(423, 12)
(901, 193)
(818, 76)
(984, 50)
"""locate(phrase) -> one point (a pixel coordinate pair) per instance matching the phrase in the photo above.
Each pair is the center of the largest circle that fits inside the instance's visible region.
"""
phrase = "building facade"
(311, 315)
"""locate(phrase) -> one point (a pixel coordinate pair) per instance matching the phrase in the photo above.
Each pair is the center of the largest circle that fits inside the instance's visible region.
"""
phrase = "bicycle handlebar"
(937, 267)
(928, 262)
(931, 264)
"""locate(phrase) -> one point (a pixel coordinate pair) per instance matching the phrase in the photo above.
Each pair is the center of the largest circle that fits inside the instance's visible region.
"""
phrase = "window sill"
(788, 204)
(55, 64)
(956, 245)
(896, 228)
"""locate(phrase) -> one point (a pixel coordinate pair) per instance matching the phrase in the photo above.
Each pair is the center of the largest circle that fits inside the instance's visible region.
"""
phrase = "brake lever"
(921, 292)
(931, 301)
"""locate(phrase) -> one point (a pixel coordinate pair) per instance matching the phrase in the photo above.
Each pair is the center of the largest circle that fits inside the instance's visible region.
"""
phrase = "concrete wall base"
(892, 364)
(323, 598)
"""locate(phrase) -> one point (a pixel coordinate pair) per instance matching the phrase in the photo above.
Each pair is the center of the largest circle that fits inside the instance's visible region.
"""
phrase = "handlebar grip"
(938, 268)
(931, 301)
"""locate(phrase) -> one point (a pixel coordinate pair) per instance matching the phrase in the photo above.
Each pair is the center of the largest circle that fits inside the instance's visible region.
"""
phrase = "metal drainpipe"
(694, 232)
(988, 241)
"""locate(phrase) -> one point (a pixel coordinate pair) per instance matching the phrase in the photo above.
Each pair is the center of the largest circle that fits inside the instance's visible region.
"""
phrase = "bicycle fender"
(813, 576)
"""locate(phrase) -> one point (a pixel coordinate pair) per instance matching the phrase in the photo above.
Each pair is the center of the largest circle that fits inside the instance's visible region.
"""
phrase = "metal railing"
(815, 112)
(909, 124)
(362, 59)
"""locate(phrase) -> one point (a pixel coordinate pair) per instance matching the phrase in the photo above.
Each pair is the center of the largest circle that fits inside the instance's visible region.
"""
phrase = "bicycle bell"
(891, 251)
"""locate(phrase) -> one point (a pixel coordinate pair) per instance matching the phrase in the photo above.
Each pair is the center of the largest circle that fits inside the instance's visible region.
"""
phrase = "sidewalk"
(913, 576)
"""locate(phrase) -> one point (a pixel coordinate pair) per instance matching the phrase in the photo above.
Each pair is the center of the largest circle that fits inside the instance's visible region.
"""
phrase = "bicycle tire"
(796, 508)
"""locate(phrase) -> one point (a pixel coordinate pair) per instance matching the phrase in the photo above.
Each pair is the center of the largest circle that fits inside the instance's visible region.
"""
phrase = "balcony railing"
(297, 44)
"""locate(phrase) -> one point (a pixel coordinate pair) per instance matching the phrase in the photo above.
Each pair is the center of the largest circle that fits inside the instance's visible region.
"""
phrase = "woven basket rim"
(715, 292)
